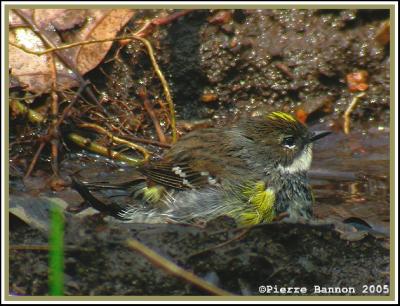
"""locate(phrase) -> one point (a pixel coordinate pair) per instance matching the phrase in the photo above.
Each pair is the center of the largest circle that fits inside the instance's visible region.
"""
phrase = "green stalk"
(56, 258)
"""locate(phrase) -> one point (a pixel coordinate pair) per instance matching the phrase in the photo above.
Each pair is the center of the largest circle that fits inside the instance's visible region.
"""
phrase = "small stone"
(209, 97)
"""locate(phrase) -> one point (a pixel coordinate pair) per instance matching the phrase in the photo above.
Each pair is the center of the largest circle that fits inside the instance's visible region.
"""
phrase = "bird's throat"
(301, 163)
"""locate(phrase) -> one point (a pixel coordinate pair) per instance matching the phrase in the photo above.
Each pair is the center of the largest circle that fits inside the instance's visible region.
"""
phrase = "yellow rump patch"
(153, 194)
(281, 115)
(262, 202)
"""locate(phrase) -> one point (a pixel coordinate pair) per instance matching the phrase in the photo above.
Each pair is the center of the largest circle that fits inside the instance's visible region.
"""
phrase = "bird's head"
(284, 141)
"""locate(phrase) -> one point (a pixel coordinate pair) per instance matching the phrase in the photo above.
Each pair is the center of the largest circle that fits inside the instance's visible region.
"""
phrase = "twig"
(53, 130)
(95, 147)
(34, 160)
(84, 142)
(240, 236)
(149, 48)
(285, 69)
(175, 270)
(170, 18)
(46, 248)
(148, 141)
(33, 116)
(29, 247)
(281, 216)
(17, 290)
(149, 108)
(71, 45)
(164, 83)
(149, 24)
(349, 110)
(93, 126)
(144, 30)
(67, 109)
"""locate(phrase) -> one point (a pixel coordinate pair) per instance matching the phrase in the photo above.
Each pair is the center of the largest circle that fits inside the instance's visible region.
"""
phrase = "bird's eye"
(288, 142)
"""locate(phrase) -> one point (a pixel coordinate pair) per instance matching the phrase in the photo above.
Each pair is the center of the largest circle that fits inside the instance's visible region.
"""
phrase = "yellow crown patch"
(281, 115)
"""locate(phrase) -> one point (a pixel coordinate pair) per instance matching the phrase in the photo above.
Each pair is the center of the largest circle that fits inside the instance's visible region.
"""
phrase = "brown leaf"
(15, 21)
(30, 70)
(383, 33)
(60, 19)
(357, 81)
(105, 24)
(34, 72)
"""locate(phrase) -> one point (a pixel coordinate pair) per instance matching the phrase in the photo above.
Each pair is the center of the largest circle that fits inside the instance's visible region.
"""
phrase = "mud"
(273, 254)
(262, 60)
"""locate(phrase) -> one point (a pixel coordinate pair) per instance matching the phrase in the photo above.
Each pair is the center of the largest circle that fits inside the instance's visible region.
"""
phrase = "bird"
(253, 171)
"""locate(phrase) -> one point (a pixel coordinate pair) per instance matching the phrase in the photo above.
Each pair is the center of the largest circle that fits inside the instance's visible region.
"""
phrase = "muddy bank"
(98, 262)
(227, 62)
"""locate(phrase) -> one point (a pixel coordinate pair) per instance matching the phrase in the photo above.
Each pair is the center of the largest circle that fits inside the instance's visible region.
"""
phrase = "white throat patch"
(300, 163)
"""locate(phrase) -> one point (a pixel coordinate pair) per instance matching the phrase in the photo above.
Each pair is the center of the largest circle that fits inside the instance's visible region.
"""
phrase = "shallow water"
(350, 176)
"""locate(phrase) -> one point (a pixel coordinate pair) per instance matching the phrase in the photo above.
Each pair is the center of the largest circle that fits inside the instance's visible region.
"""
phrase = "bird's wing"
(198, 160)
(179, 175)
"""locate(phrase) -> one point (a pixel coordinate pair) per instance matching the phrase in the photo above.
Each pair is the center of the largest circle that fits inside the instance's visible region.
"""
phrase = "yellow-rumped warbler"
(252, 171)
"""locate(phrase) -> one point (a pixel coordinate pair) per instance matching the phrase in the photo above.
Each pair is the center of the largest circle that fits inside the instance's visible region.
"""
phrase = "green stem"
(33, 116)
(99, 149)
(56, 258)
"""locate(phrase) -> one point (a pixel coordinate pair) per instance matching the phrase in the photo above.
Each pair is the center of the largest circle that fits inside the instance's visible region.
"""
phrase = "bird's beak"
(318, 135)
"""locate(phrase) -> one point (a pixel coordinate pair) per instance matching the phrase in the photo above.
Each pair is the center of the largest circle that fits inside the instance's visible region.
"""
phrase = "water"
(350, 176)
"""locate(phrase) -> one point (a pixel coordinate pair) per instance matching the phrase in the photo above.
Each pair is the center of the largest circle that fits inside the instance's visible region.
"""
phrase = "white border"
(178, 3)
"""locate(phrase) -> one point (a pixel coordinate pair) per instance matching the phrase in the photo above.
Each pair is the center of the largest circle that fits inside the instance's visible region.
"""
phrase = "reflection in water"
(350, 177)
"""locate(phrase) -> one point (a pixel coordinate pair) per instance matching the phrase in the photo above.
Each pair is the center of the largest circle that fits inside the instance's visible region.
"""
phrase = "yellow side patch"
(281, 115)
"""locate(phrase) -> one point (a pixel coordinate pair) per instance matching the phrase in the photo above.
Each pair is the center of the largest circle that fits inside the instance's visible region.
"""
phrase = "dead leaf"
(104, 24)
(31, 71)
(15, 21)
(34, 72)
(357, 81)
(383, 33)
(60, 19)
